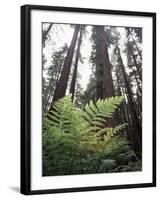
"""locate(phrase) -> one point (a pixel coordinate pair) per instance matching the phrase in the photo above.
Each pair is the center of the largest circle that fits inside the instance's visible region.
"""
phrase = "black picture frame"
(26, 98)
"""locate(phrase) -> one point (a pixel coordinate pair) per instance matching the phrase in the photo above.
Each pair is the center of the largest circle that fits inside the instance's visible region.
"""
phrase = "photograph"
(88, 103)
(91, 99)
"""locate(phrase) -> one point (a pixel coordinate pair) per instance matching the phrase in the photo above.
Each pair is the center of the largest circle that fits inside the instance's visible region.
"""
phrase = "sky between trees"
(62, 34)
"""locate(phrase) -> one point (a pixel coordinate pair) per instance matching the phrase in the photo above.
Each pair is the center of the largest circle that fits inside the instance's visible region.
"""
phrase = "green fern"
(73, 142)
(102, 109)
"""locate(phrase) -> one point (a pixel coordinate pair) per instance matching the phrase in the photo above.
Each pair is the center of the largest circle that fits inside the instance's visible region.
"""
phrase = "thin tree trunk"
(124, 111)
(62, 83)
(136, 64)
(139, 105)
(73, 82)
(137, 125)
(122, 116)
(139, 53)
(52, 85)
(138, 84)
(130, 33)
(51, 89)
(131, 130)
(99, 65)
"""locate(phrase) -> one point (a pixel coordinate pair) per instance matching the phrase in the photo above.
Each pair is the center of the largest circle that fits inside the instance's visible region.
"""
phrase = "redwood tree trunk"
(103, 71)
(139, 53)
(136, 123)
(62, 83)
(104, 76)
(99, 64)
(136, 64)
(73, 82)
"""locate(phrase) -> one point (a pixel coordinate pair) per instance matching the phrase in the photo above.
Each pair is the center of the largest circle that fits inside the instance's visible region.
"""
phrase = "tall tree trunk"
(139, 53)
(139, 105)
(131, 130)
(136, 64)
(103, 71)
(104, 75)
(51, 89)
(99, 64)
(121, 112)
(73, 82)
(124, 108)
(62, 83)
(138, 85)
(136, 123)
(107, 77)
(129, 32)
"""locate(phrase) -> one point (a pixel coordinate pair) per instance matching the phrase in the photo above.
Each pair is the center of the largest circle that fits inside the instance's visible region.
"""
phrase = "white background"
(10, 100)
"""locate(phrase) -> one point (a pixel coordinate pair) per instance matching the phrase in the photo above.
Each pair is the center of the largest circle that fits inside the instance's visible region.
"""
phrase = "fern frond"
(97, 123)
(101, 110)
(77, 141)
(102, 131)
(119, 128)
(92, 129)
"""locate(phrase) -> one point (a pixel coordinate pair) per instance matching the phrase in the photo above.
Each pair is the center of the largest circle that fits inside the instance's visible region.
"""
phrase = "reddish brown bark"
(73, 82)
(62, 84)
(104, 76)
(135, 119)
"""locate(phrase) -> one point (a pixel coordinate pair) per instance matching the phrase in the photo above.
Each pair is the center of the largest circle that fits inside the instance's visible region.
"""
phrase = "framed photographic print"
(88, 99)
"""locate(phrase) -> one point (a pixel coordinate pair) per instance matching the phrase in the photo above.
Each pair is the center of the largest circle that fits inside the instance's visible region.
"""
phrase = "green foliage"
(73, 142)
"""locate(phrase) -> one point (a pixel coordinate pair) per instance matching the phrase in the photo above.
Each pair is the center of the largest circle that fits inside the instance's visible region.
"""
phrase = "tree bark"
(103, 66)
(99, 64)
(51, 89)
(62, 83)
(136, 64)
(136, 123)
(129, 32)
(73, 82)
(104, 81)
(139, 53)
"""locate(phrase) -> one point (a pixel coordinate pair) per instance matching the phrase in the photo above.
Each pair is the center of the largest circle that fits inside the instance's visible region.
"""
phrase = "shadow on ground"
(14, 188)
